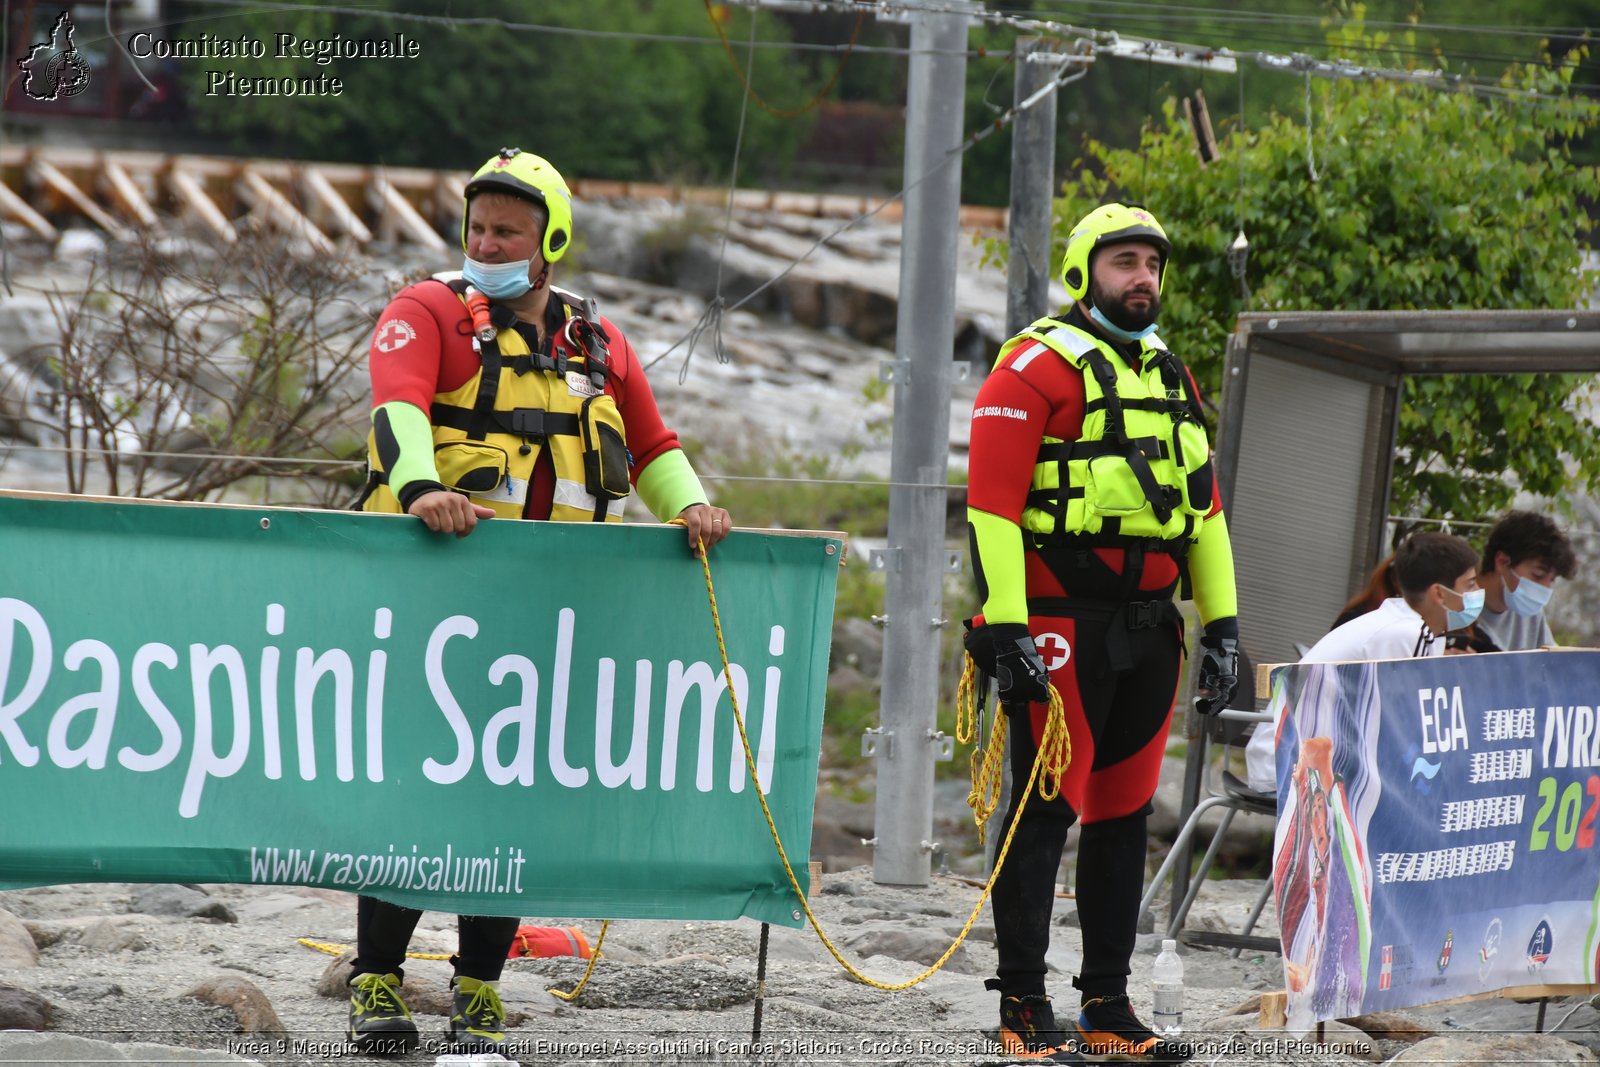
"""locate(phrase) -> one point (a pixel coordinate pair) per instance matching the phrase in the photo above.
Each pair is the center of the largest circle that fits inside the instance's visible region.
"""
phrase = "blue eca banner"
(532, 720)
(1436, 829)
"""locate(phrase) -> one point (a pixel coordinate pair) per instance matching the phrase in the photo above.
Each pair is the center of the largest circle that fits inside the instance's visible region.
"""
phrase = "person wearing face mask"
(565, 427)
(1092, 501)
(1439, 595)
(498, 395)
(1525, 553)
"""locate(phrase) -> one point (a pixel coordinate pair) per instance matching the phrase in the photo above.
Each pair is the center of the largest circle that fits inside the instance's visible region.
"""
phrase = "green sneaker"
(477, 1018)
(380, 1023)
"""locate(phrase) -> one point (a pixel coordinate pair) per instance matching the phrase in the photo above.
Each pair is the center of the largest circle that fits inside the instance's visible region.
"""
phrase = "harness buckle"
(529, 422)
(1144, 614)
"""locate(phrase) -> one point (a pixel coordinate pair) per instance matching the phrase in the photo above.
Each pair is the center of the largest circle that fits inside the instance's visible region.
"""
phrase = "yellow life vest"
(1141, 468)
(488, 432)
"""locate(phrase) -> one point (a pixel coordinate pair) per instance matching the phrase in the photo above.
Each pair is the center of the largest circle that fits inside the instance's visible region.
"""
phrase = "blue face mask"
(498, 281)
(1117, 331)
(1471, 607)
(1529, 597)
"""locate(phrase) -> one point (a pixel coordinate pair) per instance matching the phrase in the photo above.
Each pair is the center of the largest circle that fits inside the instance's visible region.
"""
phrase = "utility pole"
(1028, 267)
(1033, 188)
(906, 740)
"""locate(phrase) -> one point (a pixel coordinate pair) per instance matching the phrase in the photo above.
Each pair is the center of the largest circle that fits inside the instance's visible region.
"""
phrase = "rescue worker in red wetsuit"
(497, 395)
(1091, 501)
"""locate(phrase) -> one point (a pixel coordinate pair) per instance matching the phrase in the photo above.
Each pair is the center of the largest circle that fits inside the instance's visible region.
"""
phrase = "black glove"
(1005, 651)
(1219, 670)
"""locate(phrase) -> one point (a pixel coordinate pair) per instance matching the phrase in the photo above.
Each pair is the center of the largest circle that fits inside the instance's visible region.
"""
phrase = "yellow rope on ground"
(594, 958)
(1055, 722)
(333, 948)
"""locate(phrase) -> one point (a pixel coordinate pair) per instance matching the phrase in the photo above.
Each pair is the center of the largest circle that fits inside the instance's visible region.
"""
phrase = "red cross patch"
(396, 333)
(1054, 650)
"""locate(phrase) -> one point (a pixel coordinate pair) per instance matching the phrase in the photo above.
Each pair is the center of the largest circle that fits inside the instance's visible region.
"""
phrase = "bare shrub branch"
(180, 379)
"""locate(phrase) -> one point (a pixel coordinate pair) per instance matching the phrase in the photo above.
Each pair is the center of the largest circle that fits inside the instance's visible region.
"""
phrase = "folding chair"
(1221, 788)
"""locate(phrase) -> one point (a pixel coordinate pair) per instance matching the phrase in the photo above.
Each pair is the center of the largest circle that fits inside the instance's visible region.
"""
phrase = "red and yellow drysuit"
(1090, 493)
(563, 434)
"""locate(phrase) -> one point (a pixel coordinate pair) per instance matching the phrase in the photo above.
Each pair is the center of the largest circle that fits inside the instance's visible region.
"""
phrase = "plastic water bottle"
(1167, 986)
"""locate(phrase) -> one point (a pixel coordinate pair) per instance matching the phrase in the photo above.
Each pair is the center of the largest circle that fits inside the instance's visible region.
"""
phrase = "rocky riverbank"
(127, 973)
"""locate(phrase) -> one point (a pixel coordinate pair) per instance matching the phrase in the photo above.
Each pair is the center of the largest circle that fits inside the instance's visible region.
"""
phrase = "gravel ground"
(663, 992)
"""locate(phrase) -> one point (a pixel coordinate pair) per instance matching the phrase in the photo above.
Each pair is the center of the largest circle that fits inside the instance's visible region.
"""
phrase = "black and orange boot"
(1109, 1032)
(1029, 1035)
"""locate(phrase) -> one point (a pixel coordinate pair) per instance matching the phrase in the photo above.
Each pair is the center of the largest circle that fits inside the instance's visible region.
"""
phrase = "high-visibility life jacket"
(1141, 468)
(488, 433)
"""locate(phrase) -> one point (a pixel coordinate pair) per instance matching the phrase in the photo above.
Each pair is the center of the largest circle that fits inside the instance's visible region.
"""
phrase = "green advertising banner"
(532, 720)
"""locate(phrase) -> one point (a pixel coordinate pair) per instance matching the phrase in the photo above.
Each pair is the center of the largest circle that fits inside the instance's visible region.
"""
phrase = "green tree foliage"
(598, 106)
(1422, 198)
(1117, 97)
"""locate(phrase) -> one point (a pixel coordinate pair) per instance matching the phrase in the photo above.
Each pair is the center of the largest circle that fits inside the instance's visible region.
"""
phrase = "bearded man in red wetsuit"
(1091, 502)
(496, 394)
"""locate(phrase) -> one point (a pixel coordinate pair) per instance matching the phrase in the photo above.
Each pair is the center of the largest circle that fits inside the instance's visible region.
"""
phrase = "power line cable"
(8, 447)
(711, 318)
(1020, 23)
(1066, 78)
(1185, 13)
(493, 21)
(861, 7)
(749, 88)
(1154, 48)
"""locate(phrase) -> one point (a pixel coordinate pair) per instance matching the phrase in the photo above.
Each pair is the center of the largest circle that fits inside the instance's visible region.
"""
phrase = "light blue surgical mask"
(498, 281)
(1117, 331)
(1471, 607)
(1529, 597)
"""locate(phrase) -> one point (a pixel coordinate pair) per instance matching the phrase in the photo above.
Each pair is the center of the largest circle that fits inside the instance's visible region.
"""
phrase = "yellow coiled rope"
(1056, 745)
(988, 760)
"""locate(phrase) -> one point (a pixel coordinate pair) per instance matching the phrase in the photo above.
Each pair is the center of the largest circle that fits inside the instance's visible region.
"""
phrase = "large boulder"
(247, 1002)
(17, 947)
(23, 1009)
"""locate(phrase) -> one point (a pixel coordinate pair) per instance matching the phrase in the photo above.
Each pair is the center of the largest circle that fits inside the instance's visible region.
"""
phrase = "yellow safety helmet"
(531, 177)
(1110, 224)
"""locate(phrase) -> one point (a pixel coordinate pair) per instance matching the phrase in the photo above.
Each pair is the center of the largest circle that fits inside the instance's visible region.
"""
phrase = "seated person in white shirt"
(1525, 553)
(1438, 579)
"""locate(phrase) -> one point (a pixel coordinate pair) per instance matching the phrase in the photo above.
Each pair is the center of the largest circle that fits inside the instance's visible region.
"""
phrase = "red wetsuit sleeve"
(648, 435)
(1030, 394)
(418, 348)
